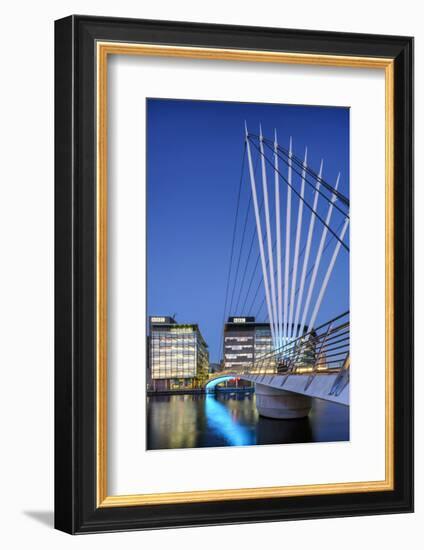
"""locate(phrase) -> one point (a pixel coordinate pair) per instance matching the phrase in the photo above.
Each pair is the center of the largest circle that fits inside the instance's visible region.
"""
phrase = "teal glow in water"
(224, 424)
(231, 419)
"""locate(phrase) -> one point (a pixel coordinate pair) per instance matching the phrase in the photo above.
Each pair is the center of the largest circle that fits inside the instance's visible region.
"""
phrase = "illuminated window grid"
(173, 355)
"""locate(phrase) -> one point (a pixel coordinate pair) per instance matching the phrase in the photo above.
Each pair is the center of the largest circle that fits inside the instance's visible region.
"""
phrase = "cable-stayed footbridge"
(301, 230)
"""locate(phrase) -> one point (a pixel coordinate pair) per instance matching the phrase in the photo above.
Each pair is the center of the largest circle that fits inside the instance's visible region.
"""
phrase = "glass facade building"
(178, 356)
(245, 341)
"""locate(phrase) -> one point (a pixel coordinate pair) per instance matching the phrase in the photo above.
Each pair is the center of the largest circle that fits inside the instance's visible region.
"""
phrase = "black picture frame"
(76, 510)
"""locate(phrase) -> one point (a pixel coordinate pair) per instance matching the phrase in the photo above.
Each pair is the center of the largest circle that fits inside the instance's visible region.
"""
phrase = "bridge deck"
(319, 386)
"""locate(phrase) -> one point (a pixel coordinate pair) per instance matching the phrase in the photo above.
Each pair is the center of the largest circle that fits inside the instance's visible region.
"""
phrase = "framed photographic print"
(234, 274)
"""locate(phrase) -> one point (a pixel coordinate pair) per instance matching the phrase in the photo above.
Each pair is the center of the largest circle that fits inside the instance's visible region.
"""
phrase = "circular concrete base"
(281, 404)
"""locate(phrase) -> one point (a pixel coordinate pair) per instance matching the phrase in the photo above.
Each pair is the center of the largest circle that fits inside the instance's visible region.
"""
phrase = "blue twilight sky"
(195, 152)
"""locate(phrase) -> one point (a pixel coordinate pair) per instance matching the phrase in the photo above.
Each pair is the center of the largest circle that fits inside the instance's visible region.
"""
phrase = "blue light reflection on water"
(221, 421)
(231, 419)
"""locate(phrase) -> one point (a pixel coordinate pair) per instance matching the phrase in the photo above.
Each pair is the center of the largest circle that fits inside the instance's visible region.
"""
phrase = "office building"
(178, 355)
(247, 342)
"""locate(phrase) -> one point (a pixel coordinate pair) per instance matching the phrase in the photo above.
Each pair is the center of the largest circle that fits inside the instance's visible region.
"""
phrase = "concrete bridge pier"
(281, 404)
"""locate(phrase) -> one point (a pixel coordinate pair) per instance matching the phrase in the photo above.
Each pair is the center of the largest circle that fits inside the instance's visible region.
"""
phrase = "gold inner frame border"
(103, 50)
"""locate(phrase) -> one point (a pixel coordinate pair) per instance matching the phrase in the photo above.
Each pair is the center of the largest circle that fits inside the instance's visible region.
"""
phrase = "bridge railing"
(323, 350)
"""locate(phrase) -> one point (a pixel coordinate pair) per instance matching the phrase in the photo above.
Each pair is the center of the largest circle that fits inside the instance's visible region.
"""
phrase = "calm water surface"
(222, 419)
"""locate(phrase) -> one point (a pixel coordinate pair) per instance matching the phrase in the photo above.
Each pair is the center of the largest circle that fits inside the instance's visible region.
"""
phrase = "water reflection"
(223, 419)
(227, 421)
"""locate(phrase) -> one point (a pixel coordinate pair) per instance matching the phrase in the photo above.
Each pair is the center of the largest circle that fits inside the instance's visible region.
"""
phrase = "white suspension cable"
(307, 250)
(287, 251)
(273, 319)
(328, 275)
(292, 329)
(259, 233)
(318, 259)
(278, 239)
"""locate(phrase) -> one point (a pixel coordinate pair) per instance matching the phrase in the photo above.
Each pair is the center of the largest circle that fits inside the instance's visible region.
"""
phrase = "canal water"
(223, 419)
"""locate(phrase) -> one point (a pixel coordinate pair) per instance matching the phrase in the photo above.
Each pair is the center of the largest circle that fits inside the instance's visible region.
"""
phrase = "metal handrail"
(321, 351)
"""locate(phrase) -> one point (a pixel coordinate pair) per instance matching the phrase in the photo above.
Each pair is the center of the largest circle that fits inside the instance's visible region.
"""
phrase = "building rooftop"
(170, 322)
(248, 322)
